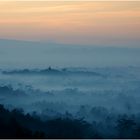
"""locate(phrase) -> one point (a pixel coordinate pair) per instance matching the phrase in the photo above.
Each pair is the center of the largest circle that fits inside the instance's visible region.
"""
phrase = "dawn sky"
(96, 23)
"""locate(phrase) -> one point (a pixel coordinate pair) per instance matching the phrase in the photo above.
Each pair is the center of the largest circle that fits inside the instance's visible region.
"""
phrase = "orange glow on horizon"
(71, 22)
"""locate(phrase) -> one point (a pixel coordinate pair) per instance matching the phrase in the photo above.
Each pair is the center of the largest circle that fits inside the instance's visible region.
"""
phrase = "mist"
(92, 89)
(26, 54)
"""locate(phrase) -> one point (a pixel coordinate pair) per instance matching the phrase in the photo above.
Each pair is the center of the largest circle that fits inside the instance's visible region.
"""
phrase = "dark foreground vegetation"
(16, 124)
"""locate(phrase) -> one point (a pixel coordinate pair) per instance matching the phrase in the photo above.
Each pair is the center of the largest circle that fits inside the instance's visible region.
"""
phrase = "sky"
(88, 23)
(109, 32)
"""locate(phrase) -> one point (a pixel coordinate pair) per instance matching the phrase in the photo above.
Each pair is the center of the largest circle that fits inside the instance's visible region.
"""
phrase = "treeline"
(17, 124)
(52, 71)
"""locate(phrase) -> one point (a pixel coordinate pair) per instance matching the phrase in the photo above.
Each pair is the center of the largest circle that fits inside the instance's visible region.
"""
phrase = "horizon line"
(58, 43)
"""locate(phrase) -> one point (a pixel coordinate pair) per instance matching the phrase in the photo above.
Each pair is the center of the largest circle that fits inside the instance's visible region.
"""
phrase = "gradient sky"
(97, 23)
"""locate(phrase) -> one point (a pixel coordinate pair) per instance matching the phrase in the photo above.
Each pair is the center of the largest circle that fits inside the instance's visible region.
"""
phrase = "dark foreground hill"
(16, 124)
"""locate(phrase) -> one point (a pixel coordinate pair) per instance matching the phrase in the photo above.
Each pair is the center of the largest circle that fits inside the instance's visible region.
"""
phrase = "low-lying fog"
(80, 91)
(83, 80)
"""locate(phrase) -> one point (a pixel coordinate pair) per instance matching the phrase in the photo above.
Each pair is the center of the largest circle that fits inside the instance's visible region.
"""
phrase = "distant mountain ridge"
(21, 54)
(52, 71)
